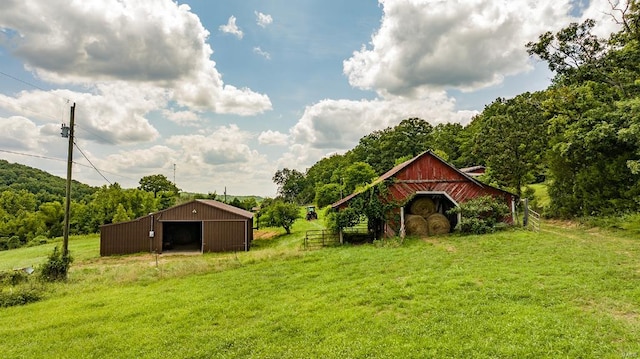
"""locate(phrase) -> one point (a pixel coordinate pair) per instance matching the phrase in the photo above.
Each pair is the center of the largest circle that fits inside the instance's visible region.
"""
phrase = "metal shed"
(428, 175)
(198, 226)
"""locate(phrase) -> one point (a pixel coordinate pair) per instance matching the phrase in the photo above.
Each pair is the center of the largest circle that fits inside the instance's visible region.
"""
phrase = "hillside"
(564, 292)
(45, 186)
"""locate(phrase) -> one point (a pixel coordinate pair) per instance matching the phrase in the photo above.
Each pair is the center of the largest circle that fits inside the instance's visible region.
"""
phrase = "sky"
(220, 94)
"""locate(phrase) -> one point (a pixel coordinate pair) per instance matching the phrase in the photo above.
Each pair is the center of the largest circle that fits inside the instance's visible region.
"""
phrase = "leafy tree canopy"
(156, 184)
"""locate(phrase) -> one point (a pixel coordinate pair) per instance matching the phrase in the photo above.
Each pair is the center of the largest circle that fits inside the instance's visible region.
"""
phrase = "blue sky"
(231, 91)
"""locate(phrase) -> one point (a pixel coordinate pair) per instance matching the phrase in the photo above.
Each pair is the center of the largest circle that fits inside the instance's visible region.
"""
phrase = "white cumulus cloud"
(150, 43)
(263, 20)
(275, 138)
(231, 28)
(424, 45)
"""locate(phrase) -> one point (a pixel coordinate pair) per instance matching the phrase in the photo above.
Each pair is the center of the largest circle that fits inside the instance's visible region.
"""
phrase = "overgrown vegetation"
(481, 215)
(18, 288)
(56, 267)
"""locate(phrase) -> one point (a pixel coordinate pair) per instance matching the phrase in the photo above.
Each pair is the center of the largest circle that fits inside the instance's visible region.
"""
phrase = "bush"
(19, 296)
(56, 267)
(481, 215)
(12, 278)
(17, 289)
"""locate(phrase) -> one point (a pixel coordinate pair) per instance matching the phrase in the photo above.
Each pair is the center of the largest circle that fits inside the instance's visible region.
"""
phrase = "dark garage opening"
(182, 236)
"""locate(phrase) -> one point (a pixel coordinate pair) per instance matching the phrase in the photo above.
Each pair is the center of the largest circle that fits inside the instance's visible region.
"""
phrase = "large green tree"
(381, 149)
(156, 184)
(291, 186)
(279, 214)
(594, 120)
(512, 138)
(356, 175)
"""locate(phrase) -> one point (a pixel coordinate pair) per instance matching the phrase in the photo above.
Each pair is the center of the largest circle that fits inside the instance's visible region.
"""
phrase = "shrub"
(19, 296)
(481, 215)
(56, 266)
(12, 278)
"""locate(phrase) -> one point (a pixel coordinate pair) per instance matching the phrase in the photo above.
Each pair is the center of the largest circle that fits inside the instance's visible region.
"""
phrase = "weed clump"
(481, 215)
(56, 267)
(17, 288)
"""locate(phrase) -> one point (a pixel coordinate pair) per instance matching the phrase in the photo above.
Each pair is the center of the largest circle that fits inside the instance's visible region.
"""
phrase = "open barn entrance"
(182, 236)
(426, 214)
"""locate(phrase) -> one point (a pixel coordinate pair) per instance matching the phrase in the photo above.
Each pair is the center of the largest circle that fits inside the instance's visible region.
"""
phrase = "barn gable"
(427, 175)
(200, 225)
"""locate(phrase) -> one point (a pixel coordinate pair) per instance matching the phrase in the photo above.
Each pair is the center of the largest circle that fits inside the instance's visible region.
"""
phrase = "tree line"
(32, 210)
(581, 135)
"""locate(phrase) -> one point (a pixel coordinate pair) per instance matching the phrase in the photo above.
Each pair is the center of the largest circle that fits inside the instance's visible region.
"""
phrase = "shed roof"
(226, 207)
(207, 202)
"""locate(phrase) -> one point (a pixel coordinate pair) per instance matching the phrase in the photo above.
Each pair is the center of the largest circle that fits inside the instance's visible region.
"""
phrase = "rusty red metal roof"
(433, 174)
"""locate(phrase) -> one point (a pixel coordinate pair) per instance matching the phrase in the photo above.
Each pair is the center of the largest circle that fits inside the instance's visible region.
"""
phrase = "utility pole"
(68, 132)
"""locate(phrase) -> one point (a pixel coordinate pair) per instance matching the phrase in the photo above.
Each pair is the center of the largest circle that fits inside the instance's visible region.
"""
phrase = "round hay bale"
(416, 225)
(423, 207)
(438, 224)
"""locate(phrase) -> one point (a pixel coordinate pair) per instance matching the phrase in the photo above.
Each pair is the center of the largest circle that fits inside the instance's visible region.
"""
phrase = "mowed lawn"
(565, 292)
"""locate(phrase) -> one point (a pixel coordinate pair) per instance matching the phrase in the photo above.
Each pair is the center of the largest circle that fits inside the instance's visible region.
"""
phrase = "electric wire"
(32, 85)
(91, 163)
(32, 155)
(28, 109)
(24, 108)
(96, 135)
(63, 160)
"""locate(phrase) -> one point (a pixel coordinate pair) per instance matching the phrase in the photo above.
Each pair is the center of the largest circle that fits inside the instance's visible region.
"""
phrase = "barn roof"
(472, 168)
(395, 170)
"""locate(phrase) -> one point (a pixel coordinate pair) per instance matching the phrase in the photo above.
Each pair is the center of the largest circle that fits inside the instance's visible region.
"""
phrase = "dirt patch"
(619, 311)
(265, 234)
(562, 223)
(436, 243)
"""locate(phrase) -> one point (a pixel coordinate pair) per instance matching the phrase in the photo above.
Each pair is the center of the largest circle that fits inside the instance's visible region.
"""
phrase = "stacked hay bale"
(423, 220)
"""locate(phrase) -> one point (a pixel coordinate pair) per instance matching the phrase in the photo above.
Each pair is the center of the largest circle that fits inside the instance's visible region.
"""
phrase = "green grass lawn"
(565, 292)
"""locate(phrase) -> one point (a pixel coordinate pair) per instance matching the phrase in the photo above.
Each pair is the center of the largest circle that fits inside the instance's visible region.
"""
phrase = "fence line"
(531, 218)
(320, 238)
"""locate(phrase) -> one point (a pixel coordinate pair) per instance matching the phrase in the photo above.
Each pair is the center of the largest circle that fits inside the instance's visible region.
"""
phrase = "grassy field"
(565, 292)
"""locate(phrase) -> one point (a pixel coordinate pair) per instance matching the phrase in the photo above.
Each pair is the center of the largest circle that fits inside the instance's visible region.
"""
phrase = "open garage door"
(182, 236)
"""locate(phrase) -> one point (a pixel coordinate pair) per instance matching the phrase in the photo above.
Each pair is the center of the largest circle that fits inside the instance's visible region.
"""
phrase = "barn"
(431, 186)
(196, 226)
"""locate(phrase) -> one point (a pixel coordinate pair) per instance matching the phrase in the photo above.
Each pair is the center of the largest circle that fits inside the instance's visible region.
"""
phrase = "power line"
(63, 160)
(32, 85)
(27, 109)
(94, 167)
(32, 155)
(96, 135)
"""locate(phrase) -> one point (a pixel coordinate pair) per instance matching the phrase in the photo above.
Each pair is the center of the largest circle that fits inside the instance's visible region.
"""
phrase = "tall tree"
(357, 175)
(593, 107)
(280, 214)
(512, 137)
(291, 184)
(157, 183)
(380, 149)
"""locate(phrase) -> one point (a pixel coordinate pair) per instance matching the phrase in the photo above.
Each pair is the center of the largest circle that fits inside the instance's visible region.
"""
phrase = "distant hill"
(45, 186)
